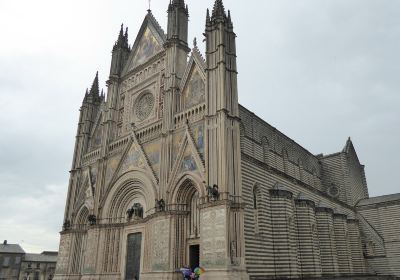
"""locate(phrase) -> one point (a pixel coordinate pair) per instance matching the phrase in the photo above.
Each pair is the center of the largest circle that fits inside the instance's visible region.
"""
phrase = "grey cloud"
(318, 70)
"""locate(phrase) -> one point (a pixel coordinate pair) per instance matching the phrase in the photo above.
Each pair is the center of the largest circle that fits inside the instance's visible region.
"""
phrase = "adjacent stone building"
(38, 266)
(381, 232)
(170, 171)
(15, 264)
(10, 260)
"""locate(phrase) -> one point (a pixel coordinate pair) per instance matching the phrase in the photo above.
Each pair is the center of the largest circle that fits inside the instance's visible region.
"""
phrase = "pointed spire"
(195, 42)
(121, 32)
(346, 148)
(180, 4)
(208, 19)
(218, 9)
(94, 90)
(122, 41)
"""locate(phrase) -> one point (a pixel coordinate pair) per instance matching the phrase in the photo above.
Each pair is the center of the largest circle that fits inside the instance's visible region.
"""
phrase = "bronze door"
(133, 254)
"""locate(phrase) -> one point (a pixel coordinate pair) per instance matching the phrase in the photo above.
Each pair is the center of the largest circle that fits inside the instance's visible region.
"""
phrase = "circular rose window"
(144, 106)
(333, 191)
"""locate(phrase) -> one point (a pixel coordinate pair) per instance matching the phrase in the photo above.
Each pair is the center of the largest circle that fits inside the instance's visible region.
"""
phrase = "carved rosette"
(144, 106)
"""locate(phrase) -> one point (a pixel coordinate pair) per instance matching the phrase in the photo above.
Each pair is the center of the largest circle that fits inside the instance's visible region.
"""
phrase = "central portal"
(134, 249)
(194, 256)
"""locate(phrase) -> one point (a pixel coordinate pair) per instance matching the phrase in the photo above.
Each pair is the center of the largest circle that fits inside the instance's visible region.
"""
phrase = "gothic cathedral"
(169, 171)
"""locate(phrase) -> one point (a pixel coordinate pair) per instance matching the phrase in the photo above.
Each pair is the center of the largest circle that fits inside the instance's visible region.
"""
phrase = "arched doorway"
(79, 241)
(188, 225)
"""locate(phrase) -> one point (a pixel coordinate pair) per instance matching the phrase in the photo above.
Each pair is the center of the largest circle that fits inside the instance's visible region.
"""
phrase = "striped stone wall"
(357, 257)
(286, 234)
(342, 244)
(384, 216)
(327, 245)
(307, 233)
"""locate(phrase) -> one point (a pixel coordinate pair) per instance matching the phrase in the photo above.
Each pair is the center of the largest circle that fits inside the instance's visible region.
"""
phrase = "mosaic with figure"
(178, 138)
(195, 90)
(147, 47)
(133, 159)
(153, 151)
(188, 164)
(112, 166)
(198, 134)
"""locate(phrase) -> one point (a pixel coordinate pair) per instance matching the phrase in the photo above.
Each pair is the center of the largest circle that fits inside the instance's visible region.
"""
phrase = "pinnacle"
(178, 3)
(121, 32)
(122, 41)
(218, 9)
(94, 90)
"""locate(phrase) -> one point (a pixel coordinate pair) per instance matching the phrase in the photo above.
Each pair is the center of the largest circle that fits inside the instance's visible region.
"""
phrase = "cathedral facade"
(169, 171)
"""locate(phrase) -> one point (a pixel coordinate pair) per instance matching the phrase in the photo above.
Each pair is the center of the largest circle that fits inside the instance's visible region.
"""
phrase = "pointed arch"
(185, 197)
(183, 187)
(132, 187)
(79, 240)
(81, 216)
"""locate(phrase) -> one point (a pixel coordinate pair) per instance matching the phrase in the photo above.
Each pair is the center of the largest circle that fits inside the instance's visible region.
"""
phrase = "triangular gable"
(86, 192)
(350, 150)
(188, 158)
(112, 167)
(153, 154)
(96, 136)
(194, 81)
(148, 43)
(133, 158)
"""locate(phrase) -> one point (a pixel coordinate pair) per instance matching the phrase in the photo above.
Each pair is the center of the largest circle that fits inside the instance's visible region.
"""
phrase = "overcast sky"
(318, 70)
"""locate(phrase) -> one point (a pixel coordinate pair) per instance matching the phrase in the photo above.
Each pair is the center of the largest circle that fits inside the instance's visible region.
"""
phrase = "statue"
(92, 219)
(136, 211)
(213, 192)
(67, 225)
(160, 205)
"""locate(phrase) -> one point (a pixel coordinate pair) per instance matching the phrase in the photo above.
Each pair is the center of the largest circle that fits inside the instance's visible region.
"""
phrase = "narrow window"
(6, 262)
(256, 201)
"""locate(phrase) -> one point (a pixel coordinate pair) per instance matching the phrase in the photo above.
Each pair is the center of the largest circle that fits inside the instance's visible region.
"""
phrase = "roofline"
(279, 132)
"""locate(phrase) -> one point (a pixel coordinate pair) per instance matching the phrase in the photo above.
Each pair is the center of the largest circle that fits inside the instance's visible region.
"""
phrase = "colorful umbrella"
(199, 271)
